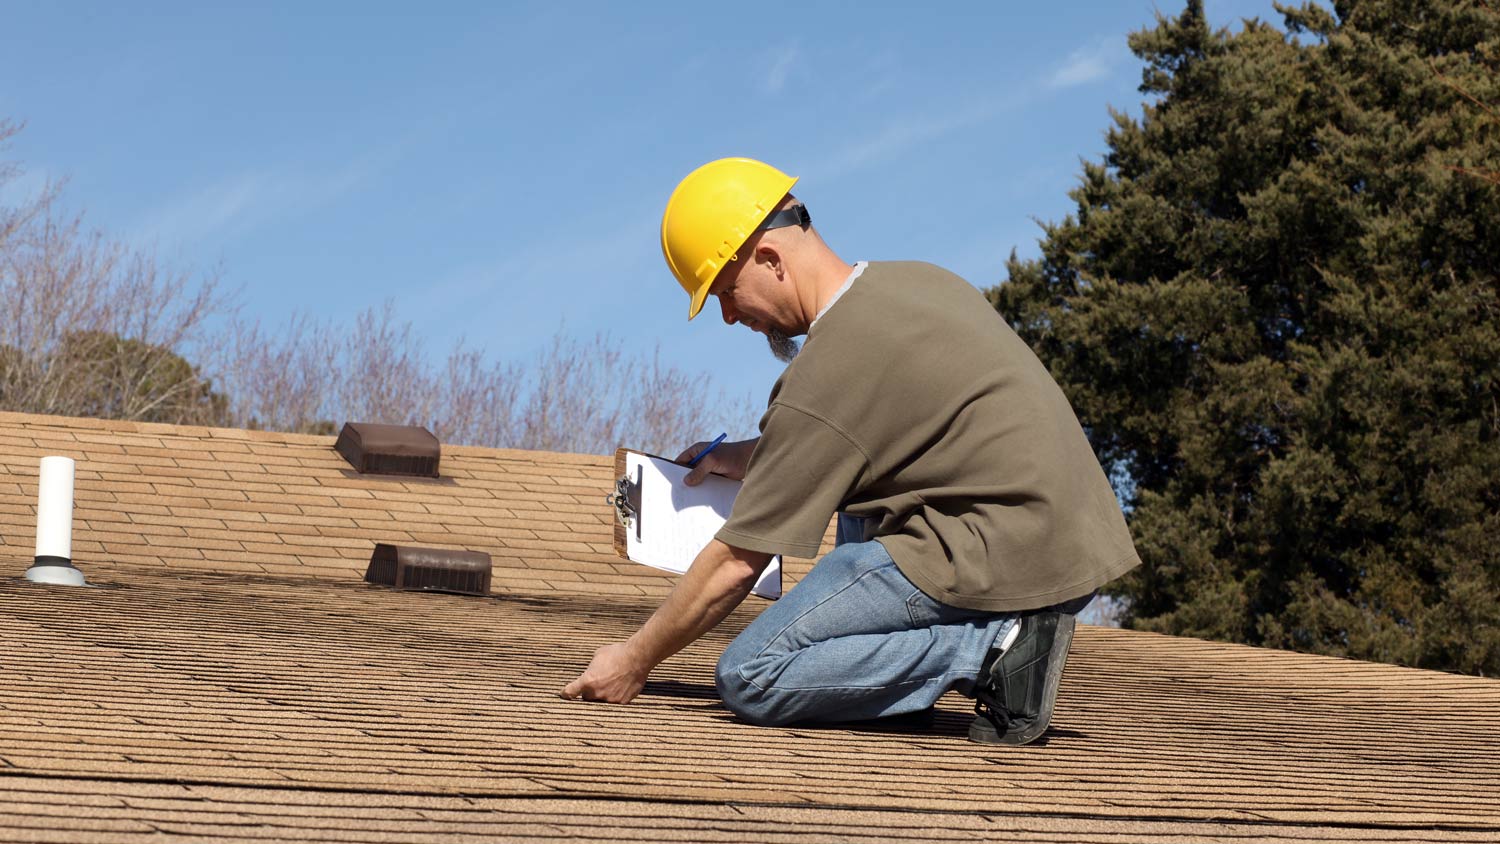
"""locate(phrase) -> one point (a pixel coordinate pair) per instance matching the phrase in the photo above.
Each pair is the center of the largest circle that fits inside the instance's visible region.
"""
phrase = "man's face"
(746, 291)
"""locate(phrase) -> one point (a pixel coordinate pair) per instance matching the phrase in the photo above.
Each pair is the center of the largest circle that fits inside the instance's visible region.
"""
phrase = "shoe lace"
(998, 717)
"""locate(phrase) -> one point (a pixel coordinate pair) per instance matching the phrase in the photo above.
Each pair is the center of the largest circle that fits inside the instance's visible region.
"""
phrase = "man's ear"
(768, 255)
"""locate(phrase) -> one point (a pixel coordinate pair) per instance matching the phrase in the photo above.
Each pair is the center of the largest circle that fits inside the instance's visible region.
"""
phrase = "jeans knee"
(741, 695)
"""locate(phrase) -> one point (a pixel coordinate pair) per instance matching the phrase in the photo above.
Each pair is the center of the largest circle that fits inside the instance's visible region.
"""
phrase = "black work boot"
(1016, 688)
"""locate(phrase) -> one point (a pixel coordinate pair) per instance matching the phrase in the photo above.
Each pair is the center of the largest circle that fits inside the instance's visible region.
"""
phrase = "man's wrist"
(742, 452)
(638, 654)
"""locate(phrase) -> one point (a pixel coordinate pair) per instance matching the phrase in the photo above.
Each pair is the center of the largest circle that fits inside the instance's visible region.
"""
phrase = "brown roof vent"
(389, 449)
(432, 569)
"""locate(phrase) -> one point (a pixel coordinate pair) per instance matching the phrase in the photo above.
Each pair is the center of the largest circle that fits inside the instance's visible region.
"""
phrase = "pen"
(704, 453)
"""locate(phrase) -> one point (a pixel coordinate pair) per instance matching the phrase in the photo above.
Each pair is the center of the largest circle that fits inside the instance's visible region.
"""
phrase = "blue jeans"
(854, 640)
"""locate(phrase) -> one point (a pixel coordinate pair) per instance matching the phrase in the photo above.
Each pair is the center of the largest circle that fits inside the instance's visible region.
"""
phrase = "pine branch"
(1461, 90)
(1491, 176)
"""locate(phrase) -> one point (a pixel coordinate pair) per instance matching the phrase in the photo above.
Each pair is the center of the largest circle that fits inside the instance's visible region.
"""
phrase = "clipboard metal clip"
(626, 500)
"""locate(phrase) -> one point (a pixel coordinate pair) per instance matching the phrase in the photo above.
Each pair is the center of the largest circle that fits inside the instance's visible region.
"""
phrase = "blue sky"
(498, 170)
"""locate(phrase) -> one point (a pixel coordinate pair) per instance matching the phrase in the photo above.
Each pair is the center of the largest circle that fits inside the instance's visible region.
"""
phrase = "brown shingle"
(231, 643)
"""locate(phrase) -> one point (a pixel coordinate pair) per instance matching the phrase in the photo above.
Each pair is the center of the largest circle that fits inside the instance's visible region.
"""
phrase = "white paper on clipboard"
(675, 520)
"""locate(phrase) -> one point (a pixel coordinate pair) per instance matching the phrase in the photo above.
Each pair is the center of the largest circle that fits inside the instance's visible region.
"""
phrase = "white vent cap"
(54, 526)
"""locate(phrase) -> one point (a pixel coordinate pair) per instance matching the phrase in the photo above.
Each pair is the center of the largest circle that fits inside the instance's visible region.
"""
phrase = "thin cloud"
(526, 278)
(216, 208)
(241, 202)
(781, 68)
(1086, 64)
(904, 133)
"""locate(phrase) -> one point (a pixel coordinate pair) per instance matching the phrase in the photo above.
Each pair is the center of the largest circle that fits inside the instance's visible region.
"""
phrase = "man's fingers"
(694, 477)
(612, 677)
(691, 451)
(699, 472)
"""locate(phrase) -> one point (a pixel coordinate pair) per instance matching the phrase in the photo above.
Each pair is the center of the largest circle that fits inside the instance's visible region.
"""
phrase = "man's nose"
(731, 316)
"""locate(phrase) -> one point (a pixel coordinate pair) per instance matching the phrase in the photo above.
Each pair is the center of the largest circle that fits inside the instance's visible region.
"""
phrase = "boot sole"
(982, 731)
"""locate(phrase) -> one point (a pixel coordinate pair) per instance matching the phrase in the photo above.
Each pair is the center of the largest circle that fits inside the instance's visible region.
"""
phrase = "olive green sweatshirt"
(914, 404)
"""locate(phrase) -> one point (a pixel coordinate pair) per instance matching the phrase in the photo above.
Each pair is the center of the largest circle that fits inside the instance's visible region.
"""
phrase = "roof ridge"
(10, 418)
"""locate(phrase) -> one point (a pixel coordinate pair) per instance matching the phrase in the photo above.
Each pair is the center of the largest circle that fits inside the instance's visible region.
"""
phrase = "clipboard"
(663, 523)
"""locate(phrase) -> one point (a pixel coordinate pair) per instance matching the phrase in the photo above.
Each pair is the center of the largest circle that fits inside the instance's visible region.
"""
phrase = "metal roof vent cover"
(389, 449)
(430, 569)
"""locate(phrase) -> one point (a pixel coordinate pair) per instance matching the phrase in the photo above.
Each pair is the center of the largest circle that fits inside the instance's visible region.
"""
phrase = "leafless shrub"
(574, 396)
(18, 218)
(311, 375)
(479, 406)
(668, 404)
(591, 397)
(277, 382)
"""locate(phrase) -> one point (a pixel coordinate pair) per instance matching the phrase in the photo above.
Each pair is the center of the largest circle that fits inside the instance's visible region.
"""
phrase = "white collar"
(848, 282)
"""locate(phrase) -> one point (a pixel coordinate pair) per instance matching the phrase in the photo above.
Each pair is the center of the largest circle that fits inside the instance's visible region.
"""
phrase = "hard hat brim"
(699, 297)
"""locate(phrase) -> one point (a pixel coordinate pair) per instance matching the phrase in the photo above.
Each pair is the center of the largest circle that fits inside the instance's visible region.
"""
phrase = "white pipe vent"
(54, 526)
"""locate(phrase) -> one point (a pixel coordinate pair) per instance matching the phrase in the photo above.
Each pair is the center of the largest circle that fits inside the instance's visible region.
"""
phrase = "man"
(975, 518)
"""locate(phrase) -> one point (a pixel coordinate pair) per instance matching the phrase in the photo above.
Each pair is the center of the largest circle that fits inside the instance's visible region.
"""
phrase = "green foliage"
(122, 378)
(1275, 312)
(105, 376)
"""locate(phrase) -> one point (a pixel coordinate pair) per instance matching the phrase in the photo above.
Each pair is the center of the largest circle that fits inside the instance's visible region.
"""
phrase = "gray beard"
(784, 348)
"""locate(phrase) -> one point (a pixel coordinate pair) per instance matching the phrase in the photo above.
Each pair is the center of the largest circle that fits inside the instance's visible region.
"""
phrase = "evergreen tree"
(1275, 311)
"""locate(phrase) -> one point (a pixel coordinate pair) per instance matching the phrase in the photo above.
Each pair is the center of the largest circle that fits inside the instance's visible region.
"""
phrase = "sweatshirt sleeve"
(800, 474)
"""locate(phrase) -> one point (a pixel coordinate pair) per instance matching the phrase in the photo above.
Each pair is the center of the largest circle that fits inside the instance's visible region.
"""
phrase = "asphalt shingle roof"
(230, 677)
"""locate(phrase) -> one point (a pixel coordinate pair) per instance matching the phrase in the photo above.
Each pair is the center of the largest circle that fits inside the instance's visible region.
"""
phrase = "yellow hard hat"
(710, 216)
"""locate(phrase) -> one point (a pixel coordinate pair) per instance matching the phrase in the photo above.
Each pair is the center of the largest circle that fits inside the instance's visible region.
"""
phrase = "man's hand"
(614, 676)
(716, 583)
(729, 459)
